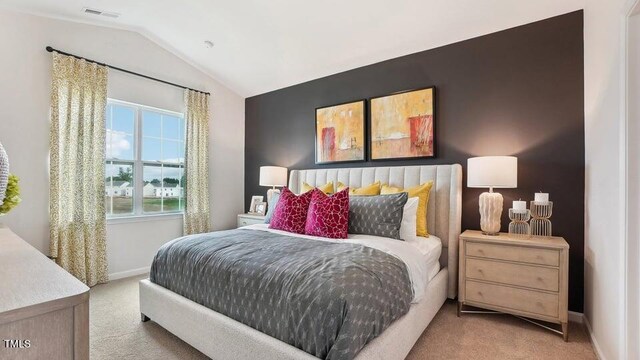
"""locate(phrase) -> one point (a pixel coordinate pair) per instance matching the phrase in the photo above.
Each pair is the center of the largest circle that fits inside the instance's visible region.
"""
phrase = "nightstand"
(526, 276)
(250, 219)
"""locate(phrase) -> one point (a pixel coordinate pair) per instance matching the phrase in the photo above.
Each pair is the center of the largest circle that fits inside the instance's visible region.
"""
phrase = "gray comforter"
(328, 299)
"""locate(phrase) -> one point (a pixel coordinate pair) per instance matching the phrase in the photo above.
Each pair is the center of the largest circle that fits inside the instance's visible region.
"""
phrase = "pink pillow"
(328, 216)
(290, 213)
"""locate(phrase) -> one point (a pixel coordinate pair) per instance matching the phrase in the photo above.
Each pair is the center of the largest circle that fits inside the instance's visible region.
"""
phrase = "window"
(144, 160)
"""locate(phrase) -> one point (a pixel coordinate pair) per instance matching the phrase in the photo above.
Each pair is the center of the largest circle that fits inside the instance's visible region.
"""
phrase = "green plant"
(12, 196)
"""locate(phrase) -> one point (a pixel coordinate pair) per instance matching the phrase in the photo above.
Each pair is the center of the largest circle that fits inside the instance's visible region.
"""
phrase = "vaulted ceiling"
(264, 45)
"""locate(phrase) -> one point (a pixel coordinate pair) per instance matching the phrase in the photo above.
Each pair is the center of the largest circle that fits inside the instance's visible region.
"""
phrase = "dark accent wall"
(516, 92)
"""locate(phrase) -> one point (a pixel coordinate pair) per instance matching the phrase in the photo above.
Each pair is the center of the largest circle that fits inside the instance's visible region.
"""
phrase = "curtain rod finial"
(49, 49)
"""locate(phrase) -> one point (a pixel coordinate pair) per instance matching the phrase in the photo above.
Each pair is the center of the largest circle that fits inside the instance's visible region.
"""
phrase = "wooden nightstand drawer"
(514, 253)
(512, 298)
(249, 219)
(513, 274)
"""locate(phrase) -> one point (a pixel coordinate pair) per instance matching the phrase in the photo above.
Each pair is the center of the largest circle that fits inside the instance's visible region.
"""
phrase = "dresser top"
(527, 240)
(27, 277)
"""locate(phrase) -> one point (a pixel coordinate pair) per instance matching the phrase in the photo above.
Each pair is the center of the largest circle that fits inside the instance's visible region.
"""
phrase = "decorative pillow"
(328, 216)
(377, 215)
(420, 191)
(326, 188)
(373, 189)
(408, 225)
(291, 212)
(271, 207)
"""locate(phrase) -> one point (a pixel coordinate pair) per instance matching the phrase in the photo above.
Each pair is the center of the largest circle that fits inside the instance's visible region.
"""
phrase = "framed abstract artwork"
(403, 125)
(340, 133)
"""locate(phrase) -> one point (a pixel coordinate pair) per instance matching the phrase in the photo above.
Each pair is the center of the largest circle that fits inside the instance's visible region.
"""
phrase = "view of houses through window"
(144, 160)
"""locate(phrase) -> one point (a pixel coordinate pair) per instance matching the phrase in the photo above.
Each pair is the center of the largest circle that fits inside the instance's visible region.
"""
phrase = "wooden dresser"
(521, 275)
(44, 310)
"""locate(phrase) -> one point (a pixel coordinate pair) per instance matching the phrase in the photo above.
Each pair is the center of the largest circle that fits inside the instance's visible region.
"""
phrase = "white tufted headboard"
(444, 214)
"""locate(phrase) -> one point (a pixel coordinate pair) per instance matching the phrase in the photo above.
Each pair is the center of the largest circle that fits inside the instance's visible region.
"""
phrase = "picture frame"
(340, 133)
(261, 208)
(254, 200)
(402, 125)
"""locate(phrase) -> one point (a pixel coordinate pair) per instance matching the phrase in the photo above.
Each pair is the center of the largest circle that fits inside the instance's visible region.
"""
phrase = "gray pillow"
(379, 215)
(271, 207)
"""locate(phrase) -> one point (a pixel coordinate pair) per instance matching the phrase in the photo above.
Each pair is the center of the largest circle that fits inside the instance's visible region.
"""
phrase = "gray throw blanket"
(328, 299)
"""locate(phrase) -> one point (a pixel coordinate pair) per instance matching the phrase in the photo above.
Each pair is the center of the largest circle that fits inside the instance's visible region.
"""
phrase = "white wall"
(25, 75)
(633, 176)
(604, 243)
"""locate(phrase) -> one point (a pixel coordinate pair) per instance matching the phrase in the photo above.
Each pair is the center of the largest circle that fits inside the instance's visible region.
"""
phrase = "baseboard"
(129, 273)
(576, 317)
(594, 342)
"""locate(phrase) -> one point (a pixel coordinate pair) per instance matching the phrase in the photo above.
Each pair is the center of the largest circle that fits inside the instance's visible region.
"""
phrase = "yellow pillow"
(420, 191)
(373, 189)
(326, 188)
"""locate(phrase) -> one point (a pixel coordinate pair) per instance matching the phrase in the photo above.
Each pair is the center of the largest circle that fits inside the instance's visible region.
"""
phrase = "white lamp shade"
(273, 176)
(492, 172)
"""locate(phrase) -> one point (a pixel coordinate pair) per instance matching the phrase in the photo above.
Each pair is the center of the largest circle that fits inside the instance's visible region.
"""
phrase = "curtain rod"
(50, 49)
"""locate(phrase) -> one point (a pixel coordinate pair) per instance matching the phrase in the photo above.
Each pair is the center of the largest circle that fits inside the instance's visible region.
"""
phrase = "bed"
(221, 337)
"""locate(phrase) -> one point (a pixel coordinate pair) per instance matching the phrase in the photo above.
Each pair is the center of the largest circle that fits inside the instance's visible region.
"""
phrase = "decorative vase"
(4, 173)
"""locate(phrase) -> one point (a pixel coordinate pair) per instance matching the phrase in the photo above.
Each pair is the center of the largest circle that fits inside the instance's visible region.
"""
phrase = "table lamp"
(491, 172)
(272, 176)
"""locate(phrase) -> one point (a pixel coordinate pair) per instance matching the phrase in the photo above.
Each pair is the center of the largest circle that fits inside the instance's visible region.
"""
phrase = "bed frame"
(221, 337)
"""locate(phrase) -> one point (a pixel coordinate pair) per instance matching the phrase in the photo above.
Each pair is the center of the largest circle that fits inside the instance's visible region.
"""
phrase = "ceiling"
(264, 45)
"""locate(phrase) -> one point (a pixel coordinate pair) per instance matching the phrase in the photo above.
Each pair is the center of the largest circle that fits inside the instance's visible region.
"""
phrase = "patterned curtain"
(77, 150)
(196, 212)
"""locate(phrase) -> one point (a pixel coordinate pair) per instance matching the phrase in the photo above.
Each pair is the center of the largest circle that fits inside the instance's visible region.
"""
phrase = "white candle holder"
(519, 222)
(540, 224)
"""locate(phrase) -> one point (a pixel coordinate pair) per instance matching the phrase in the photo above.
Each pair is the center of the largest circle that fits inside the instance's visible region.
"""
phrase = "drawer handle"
(540, 279)
(480, 293)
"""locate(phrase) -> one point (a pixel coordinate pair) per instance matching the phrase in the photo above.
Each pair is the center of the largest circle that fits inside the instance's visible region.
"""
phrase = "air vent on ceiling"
(100, 13)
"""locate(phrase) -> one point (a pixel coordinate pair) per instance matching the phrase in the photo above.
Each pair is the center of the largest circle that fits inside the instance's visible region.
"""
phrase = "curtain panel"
(196, 213)
(77, 170)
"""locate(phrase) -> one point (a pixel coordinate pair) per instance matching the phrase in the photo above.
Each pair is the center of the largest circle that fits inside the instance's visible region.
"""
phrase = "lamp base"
(490, 212)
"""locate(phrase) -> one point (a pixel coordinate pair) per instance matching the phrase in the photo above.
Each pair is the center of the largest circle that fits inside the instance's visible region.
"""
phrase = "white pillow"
(409, 219)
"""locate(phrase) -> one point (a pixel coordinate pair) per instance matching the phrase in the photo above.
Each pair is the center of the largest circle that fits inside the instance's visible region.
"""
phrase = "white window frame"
(139, 164)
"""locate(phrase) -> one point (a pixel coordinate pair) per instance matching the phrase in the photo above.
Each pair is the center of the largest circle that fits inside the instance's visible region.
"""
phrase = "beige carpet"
(117, 333)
